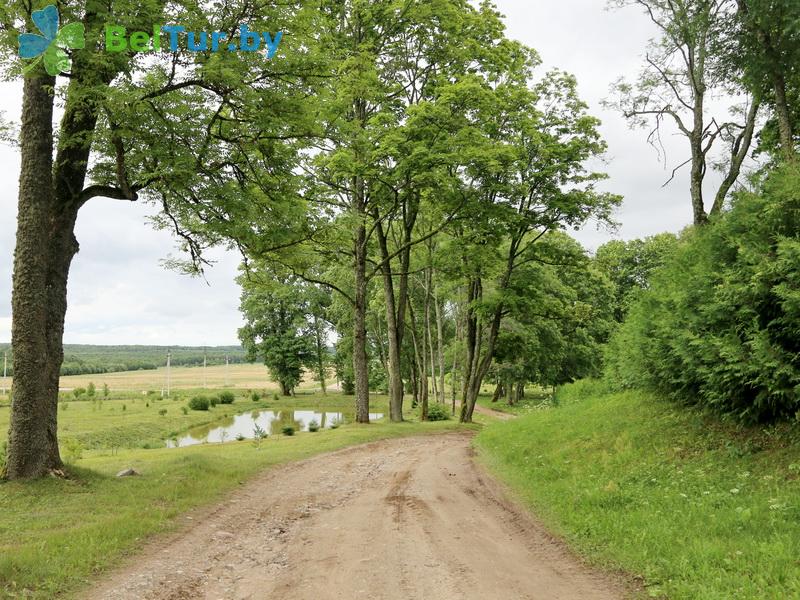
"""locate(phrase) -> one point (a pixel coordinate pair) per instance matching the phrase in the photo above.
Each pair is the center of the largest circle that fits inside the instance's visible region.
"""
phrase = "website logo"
(53, 44)
(118, 40)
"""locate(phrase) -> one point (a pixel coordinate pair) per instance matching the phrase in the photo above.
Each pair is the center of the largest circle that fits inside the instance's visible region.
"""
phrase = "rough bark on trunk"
(394, 367)
(360, 366)
(50, 196)
(33, 439)
(421, 369)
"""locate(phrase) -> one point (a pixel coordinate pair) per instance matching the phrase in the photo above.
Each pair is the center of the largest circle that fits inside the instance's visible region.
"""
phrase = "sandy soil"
(410, 518)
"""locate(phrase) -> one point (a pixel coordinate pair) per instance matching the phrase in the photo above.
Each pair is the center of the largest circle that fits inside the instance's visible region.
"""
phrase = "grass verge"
(55, 535)
(699, 509)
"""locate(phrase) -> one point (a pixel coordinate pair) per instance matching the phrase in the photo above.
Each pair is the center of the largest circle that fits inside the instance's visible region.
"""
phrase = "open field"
(237, 376)
(699, 509)
(241, 376)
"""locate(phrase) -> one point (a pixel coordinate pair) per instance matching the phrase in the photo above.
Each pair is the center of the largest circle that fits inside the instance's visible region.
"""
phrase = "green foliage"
(78, 392)
(226, 397)
(276, 328)
(91, 390)
(287, 430)
(199, 403)
(438, 412)
(720, 326)
(559, 315)
(313, 426)
(162, 412)
(255, 397)
(72, 450)
(630, 266)
(184, 410)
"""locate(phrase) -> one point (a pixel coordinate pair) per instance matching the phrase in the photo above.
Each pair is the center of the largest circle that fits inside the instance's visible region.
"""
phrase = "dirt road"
(403, 519)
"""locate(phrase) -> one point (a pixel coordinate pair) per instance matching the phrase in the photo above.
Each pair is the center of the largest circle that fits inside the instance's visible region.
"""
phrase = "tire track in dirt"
(410, 518)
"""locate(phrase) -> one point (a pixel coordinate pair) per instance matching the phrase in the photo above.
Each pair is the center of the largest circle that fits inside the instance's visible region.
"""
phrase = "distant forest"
(82, 359)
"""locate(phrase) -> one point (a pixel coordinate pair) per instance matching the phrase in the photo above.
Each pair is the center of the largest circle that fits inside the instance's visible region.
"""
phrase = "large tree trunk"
(394, 366)
(421, 369)
(33, 440)
(360, 366)
(479, 351)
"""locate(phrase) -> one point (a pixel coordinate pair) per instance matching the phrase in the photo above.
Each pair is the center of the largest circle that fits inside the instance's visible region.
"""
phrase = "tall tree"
(532, 180)
(770, 46)
(685, 68)
(277, 314)
(164, 127)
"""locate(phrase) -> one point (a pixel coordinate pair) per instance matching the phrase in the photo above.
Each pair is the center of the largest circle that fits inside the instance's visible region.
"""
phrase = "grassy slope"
(700, 509)
(56, 534)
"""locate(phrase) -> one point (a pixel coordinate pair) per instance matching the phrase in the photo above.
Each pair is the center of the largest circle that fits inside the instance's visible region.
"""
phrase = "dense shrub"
(438, 412)
(199, 403)
(720, 325)
(288, 430)
(313, 426)
(226, 397)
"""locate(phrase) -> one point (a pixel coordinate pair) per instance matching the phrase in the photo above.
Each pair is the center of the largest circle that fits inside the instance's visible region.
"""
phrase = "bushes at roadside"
(720, 325)
(438, 412)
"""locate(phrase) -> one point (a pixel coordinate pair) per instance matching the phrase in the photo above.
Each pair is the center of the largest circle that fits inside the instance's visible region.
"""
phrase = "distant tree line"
(84, 359)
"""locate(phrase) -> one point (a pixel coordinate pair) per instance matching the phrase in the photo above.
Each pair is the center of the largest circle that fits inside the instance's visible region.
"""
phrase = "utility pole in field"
(169, 358)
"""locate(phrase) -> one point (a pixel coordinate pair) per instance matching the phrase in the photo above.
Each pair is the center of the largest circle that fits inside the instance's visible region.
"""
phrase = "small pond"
(271, 422)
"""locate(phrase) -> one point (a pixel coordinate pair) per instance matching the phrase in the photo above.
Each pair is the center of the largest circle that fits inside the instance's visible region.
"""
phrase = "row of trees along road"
(403, 156)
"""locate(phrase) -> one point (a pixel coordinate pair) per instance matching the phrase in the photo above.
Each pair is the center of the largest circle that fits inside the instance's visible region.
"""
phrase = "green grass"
(130, 420)
(55, 535)
(698, 508)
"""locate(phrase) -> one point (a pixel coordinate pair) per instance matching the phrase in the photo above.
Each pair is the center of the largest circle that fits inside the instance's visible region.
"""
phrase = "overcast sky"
(120, 294)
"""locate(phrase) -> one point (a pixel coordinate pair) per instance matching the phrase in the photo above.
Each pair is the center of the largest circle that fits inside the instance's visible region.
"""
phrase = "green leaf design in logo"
(52, 45)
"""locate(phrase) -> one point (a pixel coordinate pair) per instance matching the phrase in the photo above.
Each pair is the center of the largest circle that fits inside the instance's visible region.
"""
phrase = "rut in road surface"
(410, 518)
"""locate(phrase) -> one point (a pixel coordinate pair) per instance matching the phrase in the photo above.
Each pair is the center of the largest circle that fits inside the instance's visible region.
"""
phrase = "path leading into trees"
(407, 519)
